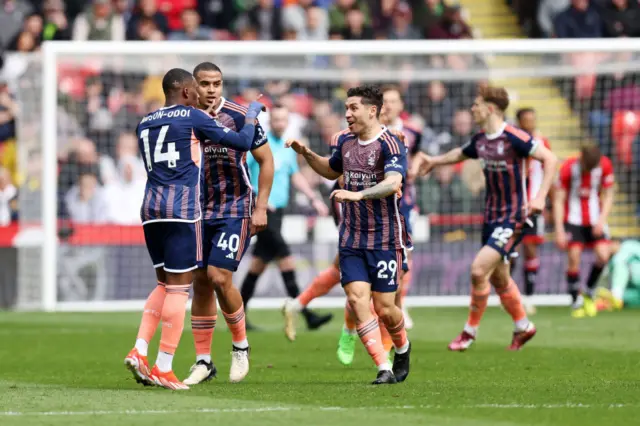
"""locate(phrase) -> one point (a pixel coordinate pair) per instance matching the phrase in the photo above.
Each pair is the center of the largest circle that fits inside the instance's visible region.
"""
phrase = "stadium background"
(101, 255)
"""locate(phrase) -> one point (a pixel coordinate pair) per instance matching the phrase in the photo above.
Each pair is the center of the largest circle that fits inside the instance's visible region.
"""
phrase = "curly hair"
(371, 95)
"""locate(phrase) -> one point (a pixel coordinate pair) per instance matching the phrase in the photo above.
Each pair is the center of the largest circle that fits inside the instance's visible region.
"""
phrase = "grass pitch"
(67, 369)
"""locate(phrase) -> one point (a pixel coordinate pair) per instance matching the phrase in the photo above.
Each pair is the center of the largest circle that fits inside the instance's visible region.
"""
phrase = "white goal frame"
(52, 50)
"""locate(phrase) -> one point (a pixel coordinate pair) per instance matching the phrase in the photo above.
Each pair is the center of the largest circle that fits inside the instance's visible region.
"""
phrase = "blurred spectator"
(145, 21)
(28, 39)
(450, 26)
(126, 150)
(338, 13)
(580, 20)
(124, 195)
(8, 194)
(12, 16)
(438, 108)
(218, 14)
(356, 28)
(266, 18)
(86, 201)
(56, 23)
(445, 193)
(621, 18)
(547, 13)
(401, 27)
(308, 19)
(122, 8)
(98, 22)
(8, 111)
(462, 128)
(427, 14)
(173, 10)
(192, 30)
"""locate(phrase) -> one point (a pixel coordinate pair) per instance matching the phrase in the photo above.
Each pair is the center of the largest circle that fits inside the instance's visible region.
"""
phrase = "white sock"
(243, 344)
(164, 362)
(350, 331)
(296, 305)
(618, 293)
(403, 349)
(521, 325)
(205, 358)
(142, 346)
(470, 329)
(384, 366)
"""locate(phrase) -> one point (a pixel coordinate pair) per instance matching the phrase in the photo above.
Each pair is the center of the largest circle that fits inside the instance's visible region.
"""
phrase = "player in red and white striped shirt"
(583, 201)
(533, 236)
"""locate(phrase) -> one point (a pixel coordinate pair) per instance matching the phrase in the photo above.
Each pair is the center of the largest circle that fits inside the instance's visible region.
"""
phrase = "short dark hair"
(371, 95)
(174, 80)
(591, 155)
(206, 66)
(523, 111)
(495, 95)
(391, 88)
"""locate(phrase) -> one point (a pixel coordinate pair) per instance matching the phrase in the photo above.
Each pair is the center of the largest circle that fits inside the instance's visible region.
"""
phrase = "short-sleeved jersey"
(370, 224)
(412, 141)
(583, 203)
(503, 157)
(169, 142)
(535, 172)
(227, 190)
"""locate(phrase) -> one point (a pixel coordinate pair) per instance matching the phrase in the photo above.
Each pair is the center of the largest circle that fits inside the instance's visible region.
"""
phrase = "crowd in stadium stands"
(99, 167)
(99, 164)
(608, 103)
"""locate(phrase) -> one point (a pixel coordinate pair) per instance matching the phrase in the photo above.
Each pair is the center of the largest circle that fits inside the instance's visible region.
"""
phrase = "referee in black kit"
(270, 245)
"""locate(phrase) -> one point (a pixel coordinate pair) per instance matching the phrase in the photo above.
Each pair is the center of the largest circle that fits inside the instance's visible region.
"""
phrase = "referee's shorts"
(269, 243)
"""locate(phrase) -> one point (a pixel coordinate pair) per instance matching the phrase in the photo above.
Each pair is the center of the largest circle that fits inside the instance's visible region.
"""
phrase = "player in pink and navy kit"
(230, 216)
(169, 140)
(503, 151)
(373, 164)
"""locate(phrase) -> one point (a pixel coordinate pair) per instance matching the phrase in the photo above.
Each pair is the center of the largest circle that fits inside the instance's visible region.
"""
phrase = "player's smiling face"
(358, 115)
(480, 111)
(209, 87)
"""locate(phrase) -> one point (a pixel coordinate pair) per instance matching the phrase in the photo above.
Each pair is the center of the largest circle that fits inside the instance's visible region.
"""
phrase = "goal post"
(104, 266)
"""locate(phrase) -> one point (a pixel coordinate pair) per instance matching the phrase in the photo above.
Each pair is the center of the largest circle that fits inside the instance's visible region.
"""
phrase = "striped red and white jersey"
(583, 204)
(535, 171)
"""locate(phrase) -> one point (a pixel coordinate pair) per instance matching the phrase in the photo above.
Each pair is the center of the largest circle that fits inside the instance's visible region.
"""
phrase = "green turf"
(575, 372)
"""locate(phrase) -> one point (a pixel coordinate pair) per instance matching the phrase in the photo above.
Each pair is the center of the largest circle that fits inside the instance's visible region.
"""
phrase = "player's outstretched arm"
(550, 166)
(560, 197)
(264, 157)
(319, 164)
(423, 163)
(207, 128)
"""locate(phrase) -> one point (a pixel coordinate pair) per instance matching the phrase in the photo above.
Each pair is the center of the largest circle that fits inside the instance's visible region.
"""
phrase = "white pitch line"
(309, 408)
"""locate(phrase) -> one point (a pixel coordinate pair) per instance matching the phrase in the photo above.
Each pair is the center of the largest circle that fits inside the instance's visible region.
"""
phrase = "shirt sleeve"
(608, 178)
(335, 161)
(523, 143)
(394, 156)
(206, 127)
(260, 137)
(469, 149)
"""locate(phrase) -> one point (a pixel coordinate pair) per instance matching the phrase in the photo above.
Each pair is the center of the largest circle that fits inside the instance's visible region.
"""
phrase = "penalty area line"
(309, 408)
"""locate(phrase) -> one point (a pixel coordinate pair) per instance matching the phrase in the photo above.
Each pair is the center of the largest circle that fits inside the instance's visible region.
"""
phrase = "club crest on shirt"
(372, 159)
(500, 148)
(348, 154)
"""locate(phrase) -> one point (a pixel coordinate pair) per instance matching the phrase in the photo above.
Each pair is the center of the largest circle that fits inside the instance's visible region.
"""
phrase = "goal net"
(80, 241)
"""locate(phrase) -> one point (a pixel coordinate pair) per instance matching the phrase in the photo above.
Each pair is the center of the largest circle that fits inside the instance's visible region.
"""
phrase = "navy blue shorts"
(380, 268)
(174, 246)
(226, 241)
(503, 237)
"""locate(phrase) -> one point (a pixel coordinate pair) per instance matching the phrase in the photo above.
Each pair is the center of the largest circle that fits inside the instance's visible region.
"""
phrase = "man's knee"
(478, 272)
(219, 279)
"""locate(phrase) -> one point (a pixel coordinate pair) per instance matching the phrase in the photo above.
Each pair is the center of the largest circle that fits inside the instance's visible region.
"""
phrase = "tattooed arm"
(391, 184)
